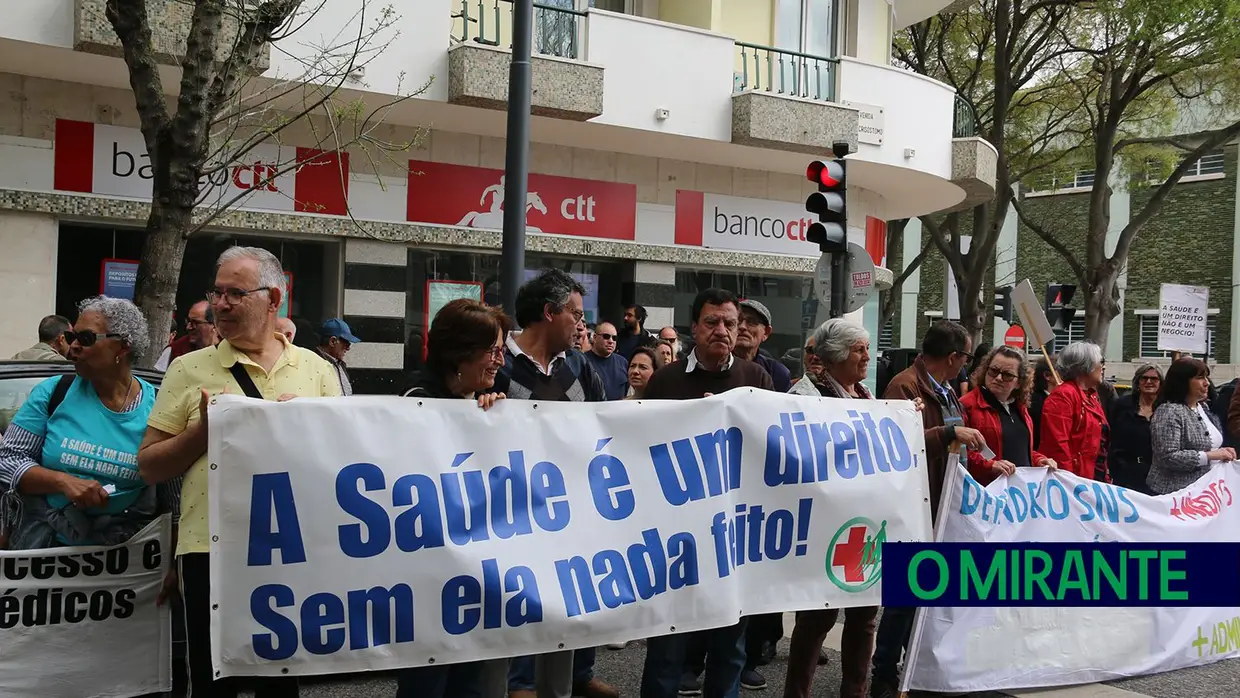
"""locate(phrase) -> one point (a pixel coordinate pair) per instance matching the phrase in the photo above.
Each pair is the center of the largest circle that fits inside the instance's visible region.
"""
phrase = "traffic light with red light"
(829, 204)
(1058, 312)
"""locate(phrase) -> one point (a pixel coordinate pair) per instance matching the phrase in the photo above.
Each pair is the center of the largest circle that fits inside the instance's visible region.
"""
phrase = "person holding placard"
(1075, 432)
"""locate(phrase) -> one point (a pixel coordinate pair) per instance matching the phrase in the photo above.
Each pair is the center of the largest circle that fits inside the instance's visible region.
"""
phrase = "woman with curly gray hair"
(69, 460)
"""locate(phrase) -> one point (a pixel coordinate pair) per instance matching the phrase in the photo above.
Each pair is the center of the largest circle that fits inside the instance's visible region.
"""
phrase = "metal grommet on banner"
(215, 539)
(535, 405)
(419, 403)
(430, 660)
(673, 628)
(561, 645)
(214, 466)
(215, 607)
(217, 674)
(284, 670)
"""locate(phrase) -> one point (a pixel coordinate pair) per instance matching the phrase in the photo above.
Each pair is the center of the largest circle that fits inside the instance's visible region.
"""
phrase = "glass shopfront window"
(795, 310)
(439, 276)
(93, 259)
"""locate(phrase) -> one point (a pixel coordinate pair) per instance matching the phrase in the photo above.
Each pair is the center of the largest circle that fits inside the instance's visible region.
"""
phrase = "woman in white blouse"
(1186, 437)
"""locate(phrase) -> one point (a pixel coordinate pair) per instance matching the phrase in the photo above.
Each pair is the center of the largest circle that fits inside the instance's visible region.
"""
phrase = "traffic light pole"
(517, 156)
(839, 284)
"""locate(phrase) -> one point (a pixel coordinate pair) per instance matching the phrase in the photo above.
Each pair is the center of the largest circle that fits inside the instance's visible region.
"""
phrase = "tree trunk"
(1101, 303)
(159, 272)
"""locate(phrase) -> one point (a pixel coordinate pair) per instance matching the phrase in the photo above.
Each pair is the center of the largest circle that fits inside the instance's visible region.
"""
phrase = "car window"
(13, 393)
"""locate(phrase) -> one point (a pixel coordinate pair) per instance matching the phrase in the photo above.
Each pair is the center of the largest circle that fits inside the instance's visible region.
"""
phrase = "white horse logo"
(494, 217)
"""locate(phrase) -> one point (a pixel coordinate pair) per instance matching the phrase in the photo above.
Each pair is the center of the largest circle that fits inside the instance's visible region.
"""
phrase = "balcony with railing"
(785, 100)
(564, 85)
(974, 160)
(964, 120)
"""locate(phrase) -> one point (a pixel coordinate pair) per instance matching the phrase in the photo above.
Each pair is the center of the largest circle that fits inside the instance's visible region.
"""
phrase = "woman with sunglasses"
(465, 350)
(69, 459)
(998, 407)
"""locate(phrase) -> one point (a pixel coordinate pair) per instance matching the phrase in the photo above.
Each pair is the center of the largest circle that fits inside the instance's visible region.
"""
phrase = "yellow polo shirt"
(298, 371)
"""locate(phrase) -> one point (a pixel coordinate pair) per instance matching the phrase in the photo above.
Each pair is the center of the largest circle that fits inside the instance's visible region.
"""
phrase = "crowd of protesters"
(1003, 414)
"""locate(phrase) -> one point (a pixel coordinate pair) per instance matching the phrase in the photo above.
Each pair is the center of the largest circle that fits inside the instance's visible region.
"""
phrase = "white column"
(1235, 285)
(1121, 211)
(912, 286)
(1005, 264)
(27, 275)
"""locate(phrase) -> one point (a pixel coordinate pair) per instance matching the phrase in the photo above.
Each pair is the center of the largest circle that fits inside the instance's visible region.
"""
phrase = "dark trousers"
(760, 631)
(725, 660)
(442, 681)
(893, 635)
(195, 572)
(856, 646)
(521, 670)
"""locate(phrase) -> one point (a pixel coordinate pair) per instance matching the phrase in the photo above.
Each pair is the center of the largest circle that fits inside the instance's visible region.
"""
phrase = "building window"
(1209, 164)
(1076, 179)
(1148, 346)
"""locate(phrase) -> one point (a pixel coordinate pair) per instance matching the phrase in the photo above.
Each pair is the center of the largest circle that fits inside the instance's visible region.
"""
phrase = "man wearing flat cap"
(755, 328)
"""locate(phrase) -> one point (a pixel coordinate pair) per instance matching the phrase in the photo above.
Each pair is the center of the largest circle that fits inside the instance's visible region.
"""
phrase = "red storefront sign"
(473, 197)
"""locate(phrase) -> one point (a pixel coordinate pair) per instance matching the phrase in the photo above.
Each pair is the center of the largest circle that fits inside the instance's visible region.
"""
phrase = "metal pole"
(839, 284)
(517, 159)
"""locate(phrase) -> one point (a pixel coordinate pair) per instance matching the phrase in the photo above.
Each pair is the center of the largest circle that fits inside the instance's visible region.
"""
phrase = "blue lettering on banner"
(711, 469)
(463, 504)
(612, 579)
(1095, 501)
(272, 493)
(802, 452)
(365, 617)
(753, 535)
(466, 601)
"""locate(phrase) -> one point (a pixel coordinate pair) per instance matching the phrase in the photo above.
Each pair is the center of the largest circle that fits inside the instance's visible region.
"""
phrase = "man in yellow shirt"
(253, 359)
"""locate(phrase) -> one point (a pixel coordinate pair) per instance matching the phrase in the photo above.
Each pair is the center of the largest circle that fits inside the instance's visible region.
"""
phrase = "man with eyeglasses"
(945, 349)
(253, 360)
(199, 333)
(611, 367)
(756, 328)
(542, 363)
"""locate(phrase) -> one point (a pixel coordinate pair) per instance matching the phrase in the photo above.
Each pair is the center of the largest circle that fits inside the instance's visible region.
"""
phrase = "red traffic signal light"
(826, 173)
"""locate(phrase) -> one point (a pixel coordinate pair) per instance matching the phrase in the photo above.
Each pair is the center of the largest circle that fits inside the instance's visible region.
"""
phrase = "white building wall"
(27, 277)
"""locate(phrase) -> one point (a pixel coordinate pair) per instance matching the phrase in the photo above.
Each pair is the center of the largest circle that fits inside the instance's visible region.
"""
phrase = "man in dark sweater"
(707, 370)
(541, 363)
(611, 367)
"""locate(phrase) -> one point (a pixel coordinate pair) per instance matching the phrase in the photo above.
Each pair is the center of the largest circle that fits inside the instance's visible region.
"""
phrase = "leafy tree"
(224, 110)
(995, 53)
(1138, 67)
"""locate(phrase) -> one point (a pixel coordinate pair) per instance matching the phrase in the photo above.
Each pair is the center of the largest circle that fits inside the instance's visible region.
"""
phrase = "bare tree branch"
(1077, 268)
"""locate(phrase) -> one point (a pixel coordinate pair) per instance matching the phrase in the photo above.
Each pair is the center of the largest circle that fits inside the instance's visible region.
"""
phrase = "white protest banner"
(1182, 318)
(82, 622)
(370, 533)
(999, 649)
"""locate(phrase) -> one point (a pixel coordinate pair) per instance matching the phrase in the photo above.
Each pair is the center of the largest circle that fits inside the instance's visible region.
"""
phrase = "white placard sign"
(82, 622)
(392, 532)
(967, 649)
(1032, 316)
(1182, 318)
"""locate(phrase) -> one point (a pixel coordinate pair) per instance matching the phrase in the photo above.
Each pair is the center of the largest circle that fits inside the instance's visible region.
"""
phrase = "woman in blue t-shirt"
(69, 460)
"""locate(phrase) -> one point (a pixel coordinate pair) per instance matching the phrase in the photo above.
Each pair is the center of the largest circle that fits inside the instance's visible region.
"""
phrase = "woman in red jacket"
(1074, 426)
(999, 408)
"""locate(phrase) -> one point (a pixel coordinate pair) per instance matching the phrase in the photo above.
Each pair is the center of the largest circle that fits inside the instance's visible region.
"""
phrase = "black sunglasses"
(87, 339)
(604, 335)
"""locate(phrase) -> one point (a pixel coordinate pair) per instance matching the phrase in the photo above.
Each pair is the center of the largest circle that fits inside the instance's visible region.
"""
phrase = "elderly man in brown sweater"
(709, 369)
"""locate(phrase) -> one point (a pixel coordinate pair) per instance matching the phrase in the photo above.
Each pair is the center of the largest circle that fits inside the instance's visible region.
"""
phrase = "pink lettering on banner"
(1208, 504)
(112, 161)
